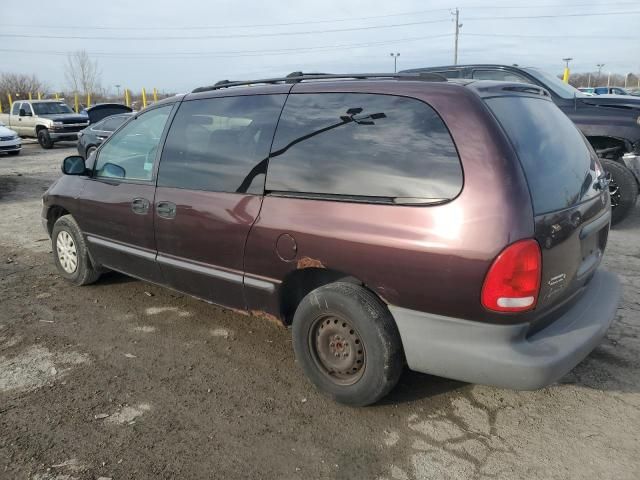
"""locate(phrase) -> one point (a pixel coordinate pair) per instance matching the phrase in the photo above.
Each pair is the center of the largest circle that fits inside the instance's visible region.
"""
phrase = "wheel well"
(300, 282)
(40, 127)
(609, 147)
(53, 214)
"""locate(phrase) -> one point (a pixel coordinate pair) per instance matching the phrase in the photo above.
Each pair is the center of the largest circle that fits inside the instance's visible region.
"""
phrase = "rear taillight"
(513, 281)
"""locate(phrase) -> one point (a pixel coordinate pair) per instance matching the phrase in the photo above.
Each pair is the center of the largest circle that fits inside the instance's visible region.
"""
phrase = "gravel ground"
(126, 380)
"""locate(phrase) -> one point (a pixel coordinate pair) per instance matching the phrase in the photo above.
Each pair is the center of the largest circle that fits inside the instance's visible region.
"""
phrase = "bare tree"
(19, 85)
(82, 73)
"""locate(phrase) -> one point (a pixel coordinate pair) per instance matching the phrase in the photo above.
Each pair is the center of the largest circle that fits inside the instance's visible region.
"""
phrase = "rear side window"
(220, 144)
(384, 147)
(557, 161)
(111, 124)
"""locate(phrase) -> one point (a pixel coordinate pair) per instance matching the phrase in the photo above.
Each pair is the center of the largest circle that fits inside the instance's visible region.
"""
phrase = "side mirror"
(23, 112)
(74, 165)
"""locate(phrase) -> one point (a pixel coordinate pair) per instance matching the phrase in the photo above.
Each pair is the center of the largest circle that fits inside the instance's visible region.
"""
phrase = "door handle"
(166, 209)
(140, 206)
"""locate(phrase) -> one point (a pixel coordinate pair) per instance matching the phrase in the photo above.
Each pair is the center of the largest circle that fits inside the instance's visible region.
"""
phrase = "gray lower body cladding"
(503, 355)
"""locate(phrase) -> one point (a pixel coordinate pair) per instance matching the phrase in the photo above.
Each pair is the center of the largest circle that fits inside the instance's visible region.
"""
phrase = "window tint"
(51, 108)
(499, 75)
(220, 144)
(363, 145)
(130, 152)
(15, 110)
(601, 90)
(558, 163)
(110, 124)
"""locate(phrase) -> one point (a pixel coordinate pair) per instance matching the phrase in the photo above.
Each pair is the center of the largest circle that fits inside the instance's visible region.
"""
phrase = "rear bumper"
(503, 355)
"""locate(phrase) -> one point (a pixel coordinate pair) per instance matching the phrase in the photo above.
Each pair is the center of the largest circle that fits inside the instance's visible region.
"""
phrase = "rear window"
(557, 161)
(381, 147)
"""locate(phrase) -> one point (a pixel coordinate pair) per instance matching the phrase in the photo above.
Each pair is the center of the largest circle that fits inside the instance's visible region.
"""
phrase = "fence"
(77, 98)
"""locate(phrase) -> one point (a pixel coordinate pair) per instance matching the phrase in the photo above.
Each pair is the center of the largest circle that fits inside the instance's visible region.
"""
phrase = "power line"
(560, 15)
(226, 36)
(559, 35)
(235, 53)
(309, 32)
(310, 22)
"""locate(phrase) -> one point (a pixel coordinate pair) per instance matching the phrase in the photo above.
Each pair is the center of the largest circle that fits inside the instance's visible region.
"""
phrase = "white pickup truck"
(49, 121)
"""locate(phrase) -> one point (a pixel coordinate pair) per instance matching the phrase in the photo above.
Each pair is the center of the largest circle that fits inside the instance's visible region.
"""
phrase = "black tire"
(84, 272)
(89, 151)
(370, 336)
(623, 189)
(44, 139)
(14, 152)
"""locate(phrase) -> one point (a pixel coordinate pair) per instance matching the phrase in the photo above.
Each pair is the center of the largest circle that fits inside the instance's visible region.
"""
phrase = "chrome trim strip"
(254, 282)
(211, 272)
(260, 284)
(138, 252)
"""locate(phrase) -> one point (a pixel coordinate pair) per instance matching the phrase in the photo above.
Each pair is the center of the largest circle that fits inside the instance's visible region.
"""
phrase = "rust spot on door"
(308, 262)
(267, 316)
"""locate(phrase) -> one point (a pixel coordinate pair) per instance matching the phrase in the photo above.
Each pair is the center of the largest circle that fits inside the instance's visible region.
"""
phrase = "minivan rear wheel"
(623, 189)
(70, 252)
(347, 343)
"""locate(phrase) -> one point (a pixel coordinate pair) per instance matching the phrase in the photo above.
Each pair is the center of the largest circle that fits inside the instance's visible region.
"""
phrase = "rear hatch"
(568, 193)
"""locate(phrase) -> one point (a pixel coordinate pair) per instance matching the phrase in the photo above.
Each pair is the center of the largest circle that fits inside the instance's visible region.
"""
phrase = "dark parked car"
(611, 124)
(92, 137)
(340, 207)
(103, 110)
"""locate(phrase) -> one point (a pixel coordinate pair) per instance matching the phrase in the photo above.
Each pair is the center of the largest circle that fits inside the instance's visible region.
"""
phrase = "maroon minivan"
(455, 226)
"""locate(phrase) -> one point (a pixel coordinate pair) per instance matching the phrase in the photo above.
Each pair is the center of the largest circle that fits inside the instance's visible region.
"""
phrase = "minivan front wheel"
(70, 253)
(347, 343)
(623, 189)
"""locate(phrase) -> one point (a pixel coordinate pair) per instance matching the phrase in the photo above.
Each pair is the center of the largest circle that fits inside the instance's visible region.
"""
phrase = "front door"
(117, 201)
(209, 193)
(18, 123)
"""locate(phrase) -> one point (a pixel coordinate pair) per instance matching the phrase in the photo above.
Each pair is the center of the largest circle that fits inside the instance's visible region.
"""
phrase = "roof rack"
(296, 77)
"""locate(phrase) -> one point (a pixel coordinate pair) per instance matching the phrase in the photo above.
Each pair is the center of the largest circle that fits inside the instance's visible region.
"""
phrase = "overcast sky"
(179, 45)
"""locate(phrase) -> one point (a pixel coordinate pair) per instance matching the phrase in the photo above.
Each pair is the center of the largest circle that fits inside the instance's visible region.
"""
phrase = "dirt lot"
(126, 380)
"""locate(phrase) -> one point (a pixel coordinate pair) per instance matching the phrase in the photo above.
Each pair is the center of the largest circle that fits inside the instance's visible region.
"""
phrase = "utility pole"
(395, 61)
(599, 65)
(458, 27)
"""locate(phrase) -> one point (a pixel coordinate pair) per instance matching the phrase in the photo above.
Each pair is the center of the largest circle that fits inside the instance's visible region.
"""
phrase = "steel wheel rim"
(337, 349)
(67, 252)
(614, 193)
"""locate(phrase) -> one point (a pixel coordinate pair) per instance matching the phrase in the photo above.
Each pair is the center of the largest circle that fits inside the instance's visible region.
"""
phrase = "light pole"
(599, 65)
(395, 61)
(118, 87)
(456, 14)
(565, 77)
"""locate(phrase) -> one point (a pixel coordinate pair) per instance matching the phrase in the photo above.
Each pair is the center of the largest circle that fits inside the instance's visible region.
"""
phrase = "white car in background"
(10, 142)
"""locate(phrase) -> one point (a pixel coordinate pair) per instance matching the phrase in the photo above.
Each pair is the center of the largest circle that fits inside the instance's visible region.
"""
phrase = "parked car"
(610, 91)
(340, 207)
(101, 111)
(10, 141)
(92, 137)
(49, 121)
(611, 124)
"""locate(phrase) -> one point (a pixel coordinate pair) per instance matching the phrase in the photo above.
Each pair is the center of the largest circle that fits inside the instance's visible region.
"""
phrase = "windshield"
(554, 84)
(50, 108)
